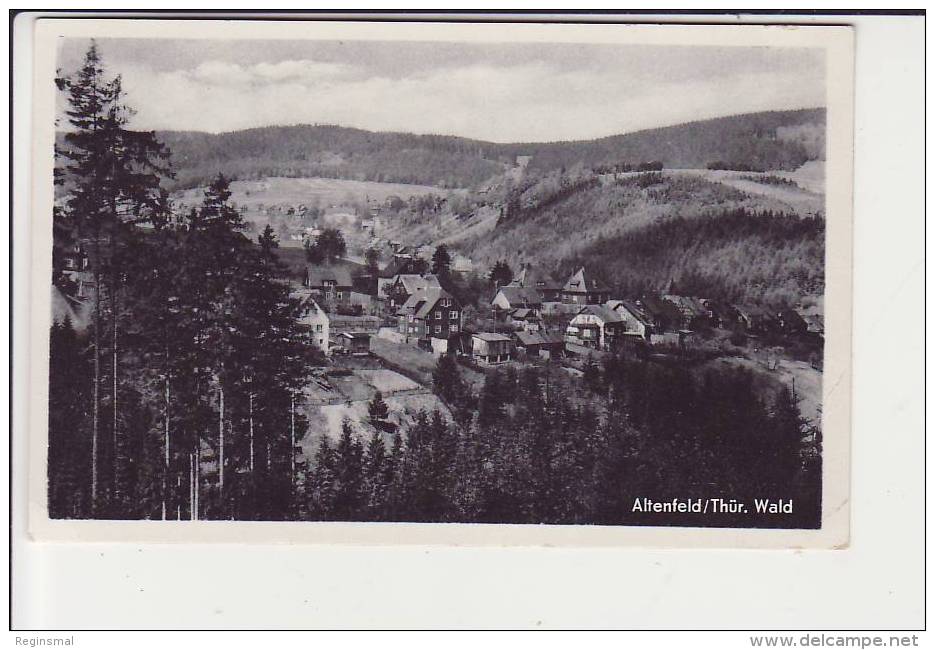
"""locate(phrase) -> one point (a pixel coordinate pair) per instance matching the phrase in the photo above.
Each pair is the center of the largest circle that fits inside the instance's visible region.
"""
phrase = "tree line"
(528, 449)
(179, 401)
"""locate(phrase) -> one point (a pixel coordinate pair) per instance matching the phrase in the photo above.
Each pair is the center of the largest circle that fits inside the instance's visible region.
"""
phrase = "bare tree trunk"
(221, 436)
(198, 480)
(251, 433)
(191, 487)
(292, 439)
(113, 300)
(115, 491)
(165, 468)
(95, 417)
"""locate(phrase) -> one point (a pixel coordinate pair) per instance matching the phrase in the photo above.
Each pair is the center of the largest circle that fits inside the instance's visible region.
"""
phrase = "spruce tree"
(113, 176)
(378, 409)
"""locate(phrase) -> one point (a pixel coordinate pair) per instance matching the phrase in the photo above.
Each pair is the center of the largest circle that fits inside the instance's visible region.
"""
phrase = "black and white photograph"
(435, 320)
(436, 281)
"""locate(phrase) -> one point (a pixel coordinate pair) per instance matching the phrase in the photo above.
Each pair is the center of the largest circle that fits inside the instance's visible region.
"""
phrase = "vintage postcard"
(441, 283)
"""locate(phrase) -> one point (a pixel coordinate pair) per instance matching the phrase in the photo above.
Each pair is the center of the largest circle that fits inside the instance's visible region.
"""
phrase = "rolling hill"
(713, 234)
(775, 140)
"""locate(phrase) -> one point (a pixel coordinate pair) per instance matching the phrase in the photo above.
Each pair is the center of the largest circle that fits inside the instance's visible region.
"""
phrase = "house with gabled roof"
(665, 316)
(754, 318)
(509, 298)
(815, 325)
(334, 285)
(433, 313)
(409, 284)
(791, 322)
(316, 319)
(723, 314)
(694, 312)
(584, 289)
(329, 281)
(637, 322)
(539, 344)
(526, 319)
(595, 326)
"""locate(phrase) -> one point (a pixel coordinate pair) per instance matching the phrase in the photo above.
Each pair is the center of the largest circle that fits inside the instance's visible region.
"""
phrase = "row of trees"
(530, 449)
(179, 401)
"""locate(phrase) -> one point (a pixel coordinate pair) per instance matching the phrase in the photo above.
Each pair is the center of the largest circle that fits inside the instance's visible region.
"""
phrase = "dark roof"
(422, 302)
(604, 313)
(792, 317)
(364, 284)
(523, 313)
(657, 308)
(635, 310)
(688, 305)
(431, 296)
(519, 295)
(720, 308)
(537, 338)
(362, 336)
(413, 283)
(552, 339)
(339, 274)
(528, 338)
(580, 282)
(753, 311)
(412, 303)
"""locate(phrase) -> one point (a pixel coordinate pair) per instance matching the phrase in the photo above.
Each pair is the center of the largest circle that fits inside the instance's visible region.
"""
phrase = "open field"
(350, 397)
(802, 198)
(341, 202)
(321, 192)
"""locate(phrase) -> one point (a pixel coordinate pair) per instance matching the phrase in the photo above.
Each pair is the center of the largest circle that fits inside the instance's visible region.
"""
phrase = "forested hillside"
(329, 152)
(759, 141)
(639, 231)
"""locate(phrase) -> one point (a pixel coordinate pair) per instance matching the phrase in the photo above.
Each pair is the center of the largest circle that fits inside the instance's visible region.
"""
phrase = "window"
(453, 328)
(438, 315)
(318, 327)
(452, 314)
(446, 302)
(438, 329)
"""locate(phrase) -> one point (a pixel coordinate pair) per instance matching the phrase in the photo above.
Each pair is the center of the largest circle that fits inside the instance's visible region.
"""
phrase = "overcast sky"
(499, 92)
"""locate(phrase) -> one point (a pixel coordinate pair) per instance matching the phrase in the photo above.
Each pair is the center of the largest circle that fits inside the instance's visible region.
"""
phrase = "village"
(456, 332)
(381, 328)
(384, 332)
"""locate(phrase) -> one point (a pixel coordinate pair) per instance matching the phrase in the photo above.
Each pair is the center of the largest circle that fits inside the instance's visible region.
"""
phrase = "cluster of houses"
(581, 314)
(599, 322)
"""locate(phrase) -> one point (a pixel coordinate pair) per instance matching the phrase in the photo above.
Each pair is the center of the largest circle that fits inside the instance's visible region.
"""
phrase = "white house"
(637, 322)
(317, 320)
(594, 326)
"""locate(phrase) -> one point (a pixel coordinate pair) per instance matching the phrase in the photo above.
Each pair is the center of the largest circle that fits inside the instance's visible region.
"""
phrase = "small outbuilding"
(355, 342)
(490, 348)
